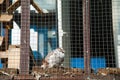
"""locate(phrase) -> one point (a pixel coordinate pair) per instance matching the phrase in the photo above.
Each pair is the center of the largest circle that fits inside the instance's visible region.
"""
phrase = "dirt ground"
(76, 74)
(61, 73)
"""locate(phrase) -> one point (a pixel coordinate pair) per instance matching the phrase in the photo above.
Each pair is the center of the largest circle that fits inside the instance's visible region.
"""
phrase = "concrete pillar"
(116, 29)
(64, 28)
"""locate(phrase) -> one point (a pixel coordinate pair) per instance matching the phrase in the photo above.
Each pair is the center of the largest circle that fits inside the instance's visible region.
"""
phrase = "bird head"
(61, 50)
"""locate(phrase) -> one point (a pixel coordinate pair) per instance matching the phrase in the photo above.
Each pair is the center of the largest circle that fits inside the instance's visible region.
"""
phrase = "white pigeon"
(53, 59)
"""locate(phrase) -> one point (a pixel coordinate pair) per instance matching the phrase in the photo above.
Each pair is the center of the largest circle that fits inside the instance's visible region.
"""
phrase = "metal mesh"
(88, 31)
(102, 41)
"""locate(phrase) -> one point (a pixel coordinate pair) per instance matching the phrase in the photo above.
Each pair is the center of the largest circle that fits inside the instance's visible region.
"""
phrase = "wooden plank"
(16, 4)
(1, 1)
(14, 57)
(5, 17)
(25, 37)
(3, 54)
(13, 7)
(1, 40)
(36, 7)
(2, 43)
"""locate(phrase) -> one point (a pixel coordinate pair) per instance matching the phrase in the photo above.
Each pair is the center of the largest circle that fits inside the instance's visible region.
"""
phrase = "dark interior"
(101, 35)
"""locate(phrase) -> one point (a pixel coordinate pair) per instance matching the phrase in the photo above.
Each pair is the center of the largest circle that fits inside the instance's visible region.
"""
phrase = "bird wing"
(49, 54)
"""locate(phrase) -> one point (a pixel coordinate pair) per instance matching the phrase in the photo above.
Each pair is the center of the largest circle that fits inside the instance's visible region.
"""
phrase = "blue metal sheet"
(96, 62)
(43, 41)
(1, 65)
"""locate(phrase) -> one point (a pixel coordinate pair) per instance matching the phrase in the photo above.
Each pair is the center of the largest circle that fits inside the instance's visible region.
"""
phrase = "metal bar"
(6, 30)
(86, 35)
(25, 37)
(1, 28)
(6, 38)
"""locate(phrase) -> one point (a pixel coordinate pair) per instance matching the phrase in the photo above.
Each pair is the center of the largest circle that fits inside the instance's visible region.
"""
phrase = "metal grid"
(102, 31)
(88, 31)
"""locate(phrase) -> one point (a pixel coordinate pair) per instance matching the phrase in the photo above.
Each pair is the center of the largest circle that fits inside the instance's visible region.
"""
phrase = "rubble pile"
(59, 73)
(108, 71)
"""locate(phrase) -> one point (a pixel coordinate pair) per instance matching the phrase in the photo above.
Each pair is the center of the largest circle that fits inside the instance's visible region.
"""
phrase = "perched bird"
(53, 59)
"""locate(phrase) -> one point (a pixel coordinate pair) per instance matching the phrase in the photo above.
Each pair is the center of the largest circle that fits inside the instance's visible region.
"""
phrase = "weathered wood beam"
(13, 7)
(36, 7)
(16, 4)
(25, 37)
(6, 29)
(1, 40)
(3, 54)
(5, 17)
(86, 35)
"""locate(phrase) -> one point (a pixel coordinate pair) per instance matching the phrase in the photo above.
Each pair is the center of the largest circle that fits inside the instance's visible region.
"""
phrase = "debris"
(60, 73)
(108, 71)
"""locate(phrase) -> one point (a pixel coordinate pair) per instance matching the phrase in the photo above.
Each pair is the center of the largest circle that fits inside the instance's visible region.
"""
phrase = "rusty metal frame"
(25, 37)
(86, 35)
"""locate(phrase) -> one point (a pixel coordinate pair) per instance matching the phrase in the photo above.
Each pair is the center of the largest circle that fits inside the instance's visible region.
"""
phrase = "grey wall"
(116, 28)
(64, 22)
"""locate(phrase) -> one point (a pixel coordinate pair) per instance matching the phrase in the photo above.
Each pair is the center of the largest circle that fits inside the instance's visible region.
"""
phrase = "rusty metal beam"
(25, 37)
(86, 35)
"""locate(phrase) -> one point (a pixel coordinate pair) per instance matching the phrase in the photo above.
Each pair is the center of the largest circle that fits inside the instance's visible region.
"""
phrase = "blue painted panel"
(77, 63)
(1, 66)
(2, 32)
(54, 40)
(36, 55)
(96, 62)
(54, 43)
(43, 36)
(44, 40)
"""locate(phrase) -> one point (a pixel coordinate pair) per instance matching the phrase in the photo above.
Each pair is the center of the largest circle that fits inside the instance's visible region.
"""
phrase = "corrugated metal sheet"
(6, 18)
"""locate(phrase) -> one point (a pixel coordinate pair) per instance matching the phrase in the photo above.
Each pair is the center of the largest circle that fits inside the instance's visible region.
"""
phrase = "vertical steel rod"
(25, 37)
(86, 35)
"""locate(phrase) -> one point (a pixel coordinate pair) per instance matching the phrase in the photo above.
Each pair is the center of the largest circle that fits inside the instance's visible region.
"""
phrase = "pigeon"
(53, 59)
